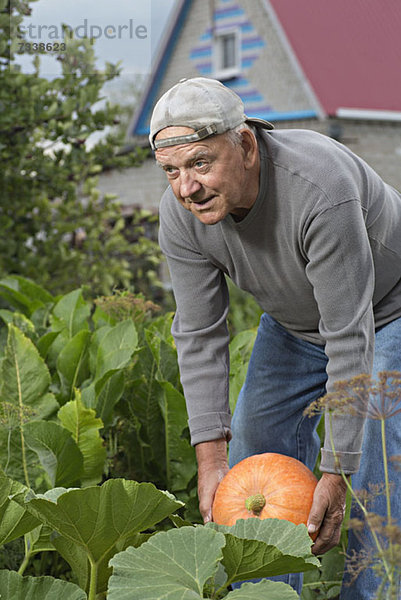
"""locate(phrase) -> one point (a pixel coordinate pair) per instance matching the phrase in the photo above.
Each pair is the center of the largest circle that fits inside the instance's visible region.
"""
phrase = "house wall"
(270, 78)
(137, 186)
(378, 143)
(270, 82)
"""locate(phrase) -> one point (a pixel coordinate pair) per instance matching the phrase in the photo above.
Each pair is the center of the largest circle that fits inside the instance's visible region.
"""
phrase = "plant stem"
(321, 582)
(21, 426)
(93, 579)
(24, 463)
(361, 506)
(385, 465)
(8, 450)
(27, 557)
(388, 500)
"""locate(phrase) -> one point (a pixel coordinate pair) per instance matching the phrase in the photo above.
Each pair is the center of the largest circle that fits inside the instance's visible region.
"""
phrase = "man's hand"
(212, 466)
(327, 512)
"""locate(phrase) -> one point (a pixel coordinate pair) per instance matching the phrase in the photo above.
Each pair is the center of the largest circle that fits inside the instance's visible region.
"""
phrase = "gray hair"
(234, 135)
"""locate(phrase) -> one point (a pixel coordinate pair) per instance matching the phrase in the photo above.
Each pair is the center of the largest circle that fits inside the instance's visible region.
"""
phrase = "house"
(333, 66)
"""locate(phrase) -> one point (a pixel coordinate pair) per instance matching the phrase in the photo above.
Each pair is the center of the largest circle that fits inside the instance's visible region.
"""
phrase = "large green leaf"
(110, 351)
(78, 560)
(108, 391)
(148, 405)
(19, 320)
(23, 294)
(264, 590)
(24, 381)
(24, 376)
(142, 395)
(84, 426)
(11, 454)
(170, 565)
(96, 522)
(96, 342)
(72, 363)
(161, 343)
(57, 451)
(182, 563)
(15, 520)
(265, 547)
(104, 394)
(179, 454)
(99, 517)
(43, 344)
(40, 539)
(116, 348)
(71, 313)
(15, 587)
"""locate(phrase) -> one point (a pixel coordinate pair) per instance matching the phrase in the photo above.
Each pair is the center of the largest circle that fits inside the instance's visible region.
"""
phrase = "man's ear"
(249, 147)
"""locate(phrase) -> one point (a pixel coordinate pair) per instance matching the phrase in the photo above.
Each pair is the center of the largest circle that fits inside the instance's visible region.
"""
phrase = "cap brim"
(259, 123)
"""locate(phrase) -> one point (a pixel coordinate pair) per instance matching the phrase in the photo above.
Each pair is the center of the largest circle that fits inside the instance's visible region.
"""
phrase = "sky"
(124, 30)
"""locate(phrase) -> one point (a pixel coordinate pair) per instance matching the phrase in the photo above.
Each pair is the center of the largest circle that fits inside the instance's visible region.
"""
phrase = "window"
(226, 54)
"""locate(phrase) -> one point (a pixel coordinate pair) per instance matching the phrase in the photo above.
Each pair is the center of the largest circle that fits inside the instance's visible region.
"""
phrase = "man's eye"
(200, 163)
(170, 171)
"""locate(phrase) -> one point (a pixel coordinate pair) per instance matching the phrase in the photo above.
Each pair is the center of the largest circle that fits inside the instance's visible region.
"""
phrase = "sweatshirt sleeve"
(200, 331)
(340, 269)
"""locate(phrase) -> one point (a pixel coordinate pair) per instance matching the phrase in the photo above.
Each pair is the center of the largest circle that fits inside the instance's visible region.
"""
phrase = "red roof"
(350, 50)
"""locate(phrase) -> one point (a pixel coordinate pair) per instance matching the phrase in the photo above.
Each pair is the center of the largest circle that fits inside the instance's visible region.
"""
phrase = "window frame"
(220, 72)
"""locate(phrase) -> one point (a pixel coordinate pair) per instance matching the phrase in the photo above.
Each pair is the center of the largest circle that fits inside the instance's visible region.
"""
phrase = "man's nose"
(188, 185)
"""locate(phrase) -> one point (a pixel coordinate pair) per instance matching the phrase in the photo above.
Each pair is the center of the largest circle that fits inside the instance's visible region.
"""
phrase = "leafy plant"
(84, 383)
(91, 524)
(95, 522)
(88, 391)
(17, 587)
(202, 561)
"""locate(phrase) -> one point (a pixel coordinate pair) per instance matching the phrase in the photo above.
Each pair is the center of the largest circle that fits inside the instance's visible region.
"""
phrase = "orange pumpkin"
(268, 486)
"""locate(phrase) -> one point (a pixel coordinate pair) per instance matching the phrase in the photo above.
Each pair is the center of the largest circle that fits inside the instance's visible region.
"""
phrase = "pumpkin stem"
(255, 503)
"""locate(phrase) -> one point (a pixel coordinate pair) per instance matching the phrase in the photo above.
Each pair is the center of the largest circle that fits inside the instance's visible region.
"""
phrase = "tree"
(56, 228)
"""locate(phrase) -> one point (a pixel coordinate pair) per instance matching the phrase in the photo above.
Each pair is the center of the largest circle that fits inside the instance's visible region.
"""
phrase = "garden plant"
(71, 371)
(379, 400)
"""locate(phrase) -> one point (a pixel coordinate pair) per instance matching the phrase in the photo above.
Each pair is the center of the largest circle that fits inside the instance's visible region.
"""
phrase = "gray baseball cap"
(205, 105)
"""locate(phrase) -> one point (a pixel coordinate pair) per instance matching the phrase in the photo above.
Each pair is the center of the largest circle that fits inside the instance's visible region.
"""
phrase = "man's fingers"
(316, 515)
(329, 533)
(327, 513)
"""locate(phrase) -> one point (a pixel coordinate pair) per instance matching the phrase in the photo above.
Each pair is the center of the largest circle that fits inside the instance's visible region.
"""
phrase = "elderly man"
(314, 234)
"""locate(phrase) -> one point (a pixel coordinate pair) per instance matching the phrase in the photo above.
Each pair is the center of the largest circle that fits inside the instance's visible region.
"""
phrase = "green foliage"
(15, 521)
(269, 545)
(201, 562)
(17, 587)
(90, 390)
(101, 520)
(84, 426)
(56, 227)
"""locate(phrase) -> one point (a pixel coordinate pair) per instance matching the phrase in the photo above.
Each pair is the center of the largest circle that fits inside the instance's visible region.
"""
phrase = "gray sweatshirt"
(320, 251)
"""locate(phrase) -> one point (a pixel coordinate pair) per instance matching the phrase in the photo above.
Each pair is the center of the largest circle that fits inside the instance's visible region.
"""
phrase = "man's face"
(210, 178)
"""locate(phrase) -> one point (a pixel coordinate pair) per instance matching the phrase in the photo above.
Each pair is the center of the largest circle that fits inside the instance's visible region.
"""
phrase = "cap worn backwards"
(204, 105)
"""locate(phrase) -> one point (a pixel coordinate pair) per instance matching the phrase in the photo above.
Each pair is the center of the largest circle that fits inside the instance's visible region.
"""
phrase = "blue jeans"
(284, 375)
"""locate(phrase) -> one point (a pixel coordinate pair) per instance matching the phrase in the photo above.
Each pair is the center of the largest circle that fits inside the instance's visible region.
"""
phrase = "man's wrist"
(211, 452)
